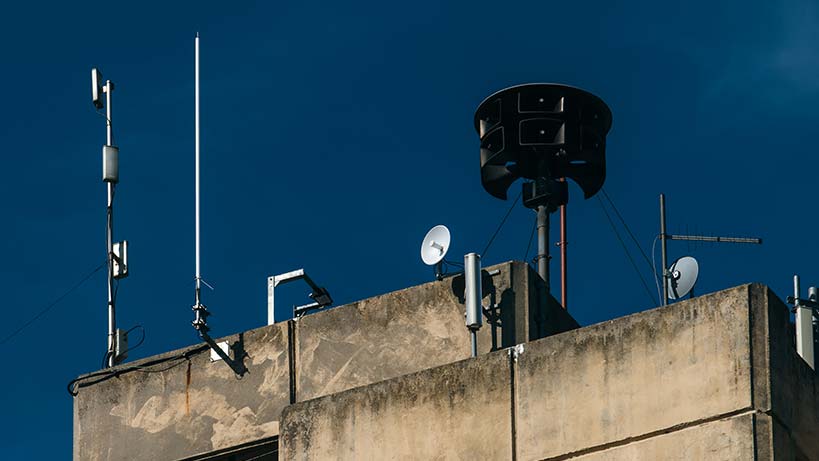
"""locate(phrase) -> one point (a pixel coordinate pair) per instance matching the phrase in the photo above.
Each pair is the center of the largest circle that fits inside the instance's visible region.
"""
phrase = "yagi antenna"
(117, 252)
(434, 247)
(664, 237)
(200, 323)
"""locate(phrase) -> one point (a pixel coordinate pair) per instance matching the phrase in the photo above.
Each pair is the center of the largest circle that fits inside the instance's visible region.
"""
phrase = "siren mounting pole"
(663, 249)
(109, 233)
(543, 244)
(564, 288)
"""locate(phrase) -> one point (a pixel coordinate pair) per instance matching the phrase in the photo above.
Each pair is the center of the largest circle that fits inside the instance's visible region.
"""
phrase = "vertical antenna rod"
(196, 77)
(201, 313)
(200, 322)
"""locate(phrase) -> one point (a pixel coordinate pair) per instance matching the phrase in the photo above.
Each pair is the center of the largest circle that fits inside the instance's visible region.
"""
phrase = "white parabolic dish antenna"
(682, 277)
(435, 245)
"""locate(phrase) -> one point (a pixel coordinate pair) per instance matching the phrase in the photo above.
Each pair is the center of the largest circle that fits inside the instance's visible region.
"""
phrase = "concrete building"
(714, 377)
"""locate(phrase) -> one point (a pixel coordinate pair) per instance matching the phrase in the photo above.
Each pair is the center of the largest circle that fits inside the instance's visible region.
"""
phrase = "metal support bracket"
(320, 296)
(236, 364)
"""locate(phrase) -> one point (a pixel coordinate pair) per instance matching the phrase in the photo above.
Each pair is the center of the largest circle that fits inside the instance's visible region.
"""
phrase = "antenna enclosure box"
(96, 88)
(120, 259)
(120, 345)
(110, 164)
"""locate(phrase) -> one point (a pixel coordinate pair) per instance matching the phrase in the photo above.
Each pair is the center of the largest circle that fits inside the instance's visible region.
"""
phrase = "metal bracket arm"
(319, 294)
(237, 365)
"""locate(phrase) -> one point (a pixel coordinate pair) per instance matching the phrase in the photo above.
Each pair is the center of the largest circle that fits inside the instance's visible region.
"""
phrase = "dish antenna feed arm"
(542, 132)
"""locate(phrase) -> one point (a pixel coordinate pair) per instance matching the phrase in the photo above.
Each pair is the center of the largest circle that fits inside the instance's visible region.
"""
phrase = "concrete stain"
(188, 390)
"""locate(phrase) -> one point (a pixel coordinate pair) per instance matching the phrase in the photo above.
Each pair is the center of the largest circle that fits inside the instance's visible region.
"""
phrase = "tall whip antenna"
(219, 351)
(198, 269)
(201, 312)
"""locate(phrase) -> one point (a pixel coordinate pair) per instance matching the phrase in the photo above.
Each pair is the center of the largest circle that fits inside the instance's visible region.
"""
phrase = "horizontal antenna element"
(702, 238)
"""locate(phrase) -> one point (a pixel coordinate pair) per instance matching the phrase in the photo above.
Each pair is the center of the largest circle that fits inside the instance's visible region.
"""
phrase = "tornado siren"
(543, 132)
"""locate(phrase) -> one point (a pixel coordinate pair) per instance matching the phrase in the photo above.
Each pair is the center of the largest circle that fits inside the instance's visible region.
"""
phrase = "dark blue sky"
(335, 135)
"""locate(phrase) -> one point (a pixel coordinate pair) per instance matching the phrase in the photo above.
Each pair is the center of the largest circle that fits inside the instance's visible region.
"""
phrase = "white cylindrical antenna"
(196, 77)
(473, 294)
(200, 311)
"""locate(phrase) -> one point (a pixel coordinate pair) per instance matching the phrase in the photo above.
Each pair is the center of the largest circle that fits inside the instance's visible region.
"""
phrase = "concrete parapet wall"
(183, 406)
(459, 411)
(634, 375)
(714, 377)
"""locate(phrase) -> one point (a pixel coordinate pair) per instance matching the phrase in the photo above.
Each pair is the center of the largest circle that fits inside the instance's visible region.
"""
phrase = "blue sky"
(335, 135)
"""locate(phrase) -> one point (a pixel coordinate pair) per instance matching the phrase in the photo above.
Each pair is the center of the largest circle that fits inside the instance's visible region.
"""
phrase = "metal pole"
(564, 271)
(474, 334)
(543, 245)
(664, 249)
(198, 274)
(109, 237)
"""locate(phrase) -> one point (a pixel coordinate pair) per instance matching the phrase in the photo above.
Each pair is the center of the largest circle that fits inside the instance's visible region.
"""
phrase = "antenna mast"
(117, 252)
(665, 237)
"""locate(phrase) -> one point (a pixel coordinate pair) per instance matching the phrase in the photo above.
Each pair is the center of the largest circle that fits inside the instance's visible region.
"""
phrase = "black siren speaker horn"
(543, 132)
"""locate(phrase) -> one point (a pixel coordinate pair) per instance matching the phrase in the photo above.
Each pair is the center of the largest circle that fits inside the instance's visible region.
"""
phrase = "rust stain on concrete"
(188, 390)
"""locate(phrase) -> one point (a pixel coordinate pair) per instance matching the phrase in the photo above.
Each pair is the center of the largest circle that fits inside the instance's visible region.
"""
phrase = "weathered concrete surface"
(418, 328)
(729, 439)
(459, 411)
(634, 375)
(197, 406)
(184, 407)
(715, 377)
(792, 384)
